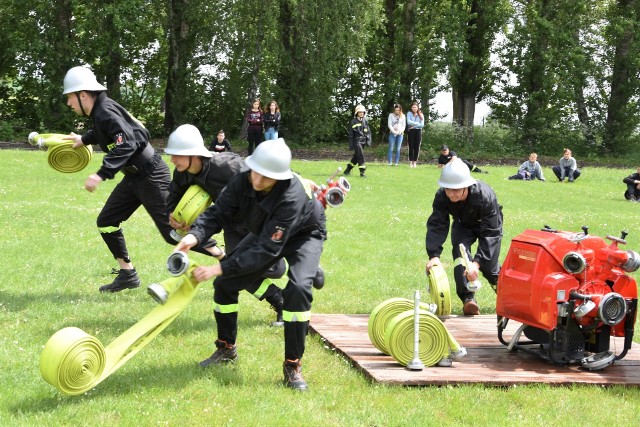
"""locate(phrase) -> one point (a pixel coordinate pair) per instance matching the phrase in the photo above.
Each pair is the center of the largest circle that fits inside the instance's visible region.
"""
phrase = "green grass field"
(54, 261)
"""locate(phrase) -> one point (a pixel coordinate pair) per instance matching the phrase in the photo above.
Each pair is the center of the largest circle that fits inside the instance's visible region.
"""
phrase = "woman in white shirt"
(397, 123)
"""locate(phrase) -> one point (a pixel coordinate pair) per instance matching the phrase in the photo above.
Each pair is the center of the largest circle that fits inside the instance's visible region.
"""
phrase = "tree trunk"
(408, 47)
(255, 74)
(179, 52)
(615, 128)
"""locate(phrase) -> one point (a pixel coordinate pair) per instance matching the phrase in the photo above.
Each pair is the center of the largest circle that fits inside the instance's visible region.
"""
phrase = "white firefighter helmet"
(271, 159)
(455, 175)
(360, 109)
(81, 78)
(186, 140)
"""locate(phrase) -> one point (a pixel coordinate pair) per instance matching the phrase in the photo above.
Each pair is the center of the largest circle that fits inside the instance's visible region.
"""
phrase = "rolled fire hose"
(382, 315)
(436, 342)
(74, 362)
(194, 201)
(439, 290)
(61, 155)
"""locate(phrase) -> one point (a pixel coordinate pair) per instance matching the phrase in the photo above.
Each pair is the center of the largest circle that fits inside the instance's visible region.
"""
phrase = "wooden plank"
(487, 361)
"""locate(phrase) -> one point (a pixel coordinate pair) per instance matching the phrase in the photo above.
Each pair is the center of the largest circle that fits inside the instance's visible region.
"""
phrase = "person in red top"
(255, 121)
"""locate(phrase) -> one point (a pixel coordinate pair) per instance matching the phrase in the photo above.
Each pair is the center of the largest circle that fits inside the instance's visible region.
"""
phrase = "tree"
(622, 111)
(469, 41)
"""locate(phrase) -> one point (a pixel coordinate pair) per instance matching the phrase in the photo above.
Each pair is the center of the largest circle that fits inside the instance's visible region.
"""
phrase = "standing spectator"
(271, 119)
(633, 186)
(477, 216)
(284, 221)
(530, 170)
(396, 123)
(447, 155)
(415, 122)
(254, 125)
(568, 167)
(220, 144)
(359, 136)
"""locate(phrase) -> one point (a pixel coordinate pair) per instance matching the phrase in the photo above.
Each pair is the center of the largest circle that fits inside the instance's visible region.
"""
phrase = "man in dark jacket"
(633, 186)
(195, 165)
(476, 216)
(284, 220)
(126, 144)
(446, 155)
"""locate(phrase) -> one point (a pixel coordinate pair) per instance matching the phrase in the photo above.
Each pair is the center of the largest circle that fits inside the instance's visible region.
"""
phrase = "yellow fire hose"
(194, 201)
(61, 155)
(439, 290)
(382, 315)
(74, 362)
(436, 342)
(391, 330)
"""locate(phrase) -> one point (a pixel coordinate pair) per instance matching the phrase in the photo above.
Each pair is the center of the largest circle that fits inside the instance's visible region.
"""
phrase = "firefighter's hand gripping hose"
(74, 362)
(61, 155)
(391, 330)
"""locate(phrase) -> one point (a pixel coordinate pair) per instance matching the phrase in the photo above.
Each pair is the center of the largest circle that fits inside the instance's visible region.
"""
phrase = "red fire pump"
(571, 293)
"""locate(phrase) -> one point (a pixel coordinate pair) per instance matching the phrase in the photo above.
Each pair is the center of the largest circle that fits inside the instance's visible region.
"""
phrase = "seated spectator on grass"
(568, 167)
(529, 170)
(633, 187)
(447, 155)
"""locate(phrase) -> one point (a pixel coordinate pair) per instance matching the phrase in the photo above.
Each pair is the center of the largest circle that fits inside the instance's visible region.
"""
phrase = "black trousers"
(567, 173)
(254, 138)
(415, 140)
(358, 157)
(490, 269)
(303, 255)
(148, 188)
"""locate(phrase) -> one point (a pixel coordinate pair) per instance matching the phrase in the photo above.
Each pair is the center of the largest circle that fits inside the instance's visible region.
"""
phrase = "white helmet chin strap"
(84, 113)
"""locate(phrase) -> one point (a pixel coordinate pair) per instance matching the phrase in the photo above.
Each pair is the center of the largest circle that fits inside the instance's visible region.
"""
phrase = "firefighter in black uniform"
(195, 165)
(284, 220)
(476, 216)
(446, 155)
(146, 175)
(359, 136)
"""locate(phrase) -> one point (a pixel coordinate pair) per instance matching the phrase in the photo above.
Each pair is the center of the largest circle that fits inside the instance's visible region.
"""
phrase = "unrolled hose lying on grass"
(391, 330)
(74, 362)
(61, 155)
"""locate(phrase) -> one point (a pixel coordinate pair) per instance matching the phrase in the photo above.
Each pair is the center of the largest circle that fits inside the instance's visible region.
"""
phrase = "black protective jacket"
(285, 212)
(216, 172)
(118, 134)
(631, 178)
(480, 213)
(359, 132)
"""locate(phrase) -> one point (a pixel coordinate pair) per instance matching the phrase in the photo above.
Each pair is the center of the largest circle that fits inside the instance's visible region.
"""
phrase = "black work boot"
(318, 279)
(126, 279)
(277, 303)
(362, 174)
(224, 353)
(347, 171)
(292, 370)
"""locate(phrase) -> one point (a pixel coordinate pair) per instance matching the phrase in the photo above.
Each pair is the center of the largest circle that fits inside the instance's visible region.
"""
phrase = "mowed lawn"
(54, 261)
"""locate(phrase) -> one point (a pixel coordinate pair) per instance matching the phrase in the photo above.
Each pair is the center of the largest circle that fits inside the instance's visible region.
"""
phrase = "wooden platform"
(487, 362)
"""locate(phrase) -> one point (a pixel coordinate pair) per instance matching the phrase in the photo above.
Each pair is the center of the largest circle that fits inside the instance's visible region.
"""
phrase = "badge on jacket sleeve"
(278, 234)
